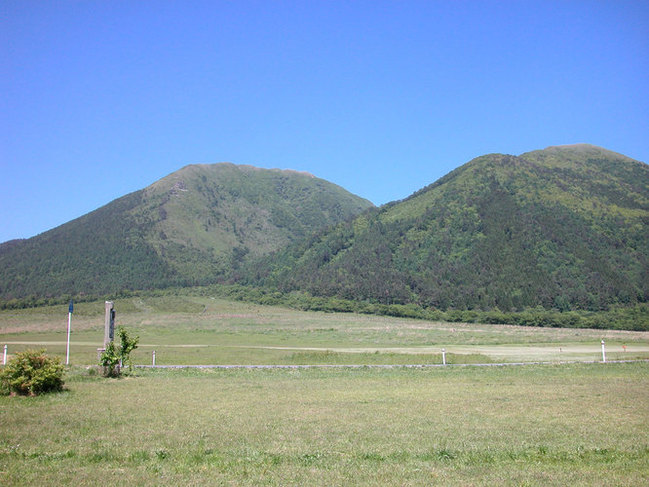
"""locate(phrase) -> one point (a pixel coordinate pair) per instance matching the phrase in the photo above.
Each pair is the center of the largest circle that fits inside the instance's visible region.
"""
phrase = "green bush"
(109, 361)
(127, 345)
(31, 373)
(114, 358)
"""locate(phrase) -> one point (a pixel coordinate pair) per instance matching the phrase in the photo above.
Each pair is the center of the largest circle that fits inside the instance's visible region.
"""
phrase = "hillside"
(563, 228)
(192, 227)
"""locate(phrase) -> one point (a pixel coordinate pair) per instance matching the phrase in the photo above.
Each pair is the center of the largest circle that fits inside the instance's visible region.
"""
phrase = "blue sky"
(102, 98)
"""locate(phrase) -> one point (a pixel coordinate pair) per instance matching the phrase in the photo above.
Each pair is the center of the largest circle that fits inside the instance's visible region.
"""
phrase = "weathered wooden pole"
(109, 324)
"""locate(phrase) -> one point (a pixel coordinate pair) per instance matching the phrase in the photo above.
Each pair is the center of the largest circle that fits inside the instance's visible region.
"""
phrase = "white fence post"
(603, 352)
(443, 356)
(4, 359)
(67, 347)
(154, 357)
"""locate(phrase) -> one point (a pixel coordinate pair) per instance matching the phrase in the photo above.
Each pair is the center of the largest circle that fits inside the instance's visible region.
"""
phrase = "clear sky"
(102, 98)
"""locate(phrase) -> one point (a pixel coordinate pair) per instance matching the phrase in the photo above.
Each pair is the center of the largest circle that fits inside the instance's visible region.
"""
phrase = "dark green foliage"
(195, 226)
(82, 256)
(561, 229)
(634, 318)
(32, 373)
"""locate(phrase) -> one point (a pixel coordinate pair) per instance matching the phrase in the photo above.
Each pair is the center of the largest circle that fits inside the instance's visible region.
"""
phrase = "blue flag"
(71, 308)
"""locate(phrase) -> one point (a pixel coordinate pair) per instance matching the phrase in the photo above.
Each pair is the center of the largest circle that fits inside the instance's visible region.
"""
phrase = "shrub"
(113, 358)
(31, 373)
(109, 360)
(127, 345)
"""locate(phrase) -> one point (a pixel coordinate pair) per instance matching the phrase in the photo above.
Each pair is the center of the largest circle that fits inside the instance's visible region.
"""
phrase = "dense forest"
(562, 229)
(192, 227)
(83, 257)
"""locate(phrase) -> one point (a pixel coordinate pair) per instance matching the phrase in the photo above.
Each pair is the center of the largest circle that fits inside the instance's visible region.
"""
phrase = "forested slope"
(192, 227)
(562, 228)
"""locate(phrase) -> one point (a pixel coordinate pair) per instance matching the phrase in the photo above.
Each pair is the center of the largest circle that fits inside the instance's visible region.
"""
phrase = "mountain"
(563, 228)
(194, 226)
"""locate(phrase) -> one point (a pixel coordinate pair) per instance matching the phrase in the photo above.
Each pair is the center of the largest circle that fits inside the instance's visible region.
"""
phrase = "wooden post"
(109, 324)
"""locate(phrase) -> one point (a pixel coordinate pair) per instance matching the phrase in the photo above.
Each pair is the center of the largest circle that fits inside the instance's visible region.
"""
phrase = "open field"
(531, 425)
(203, 330)
(556, 424)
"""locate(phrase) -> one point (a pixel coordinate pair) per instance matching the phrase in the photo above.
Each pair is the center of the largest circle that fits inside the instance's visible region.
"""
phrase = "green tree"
(127, 345)
(114, 358)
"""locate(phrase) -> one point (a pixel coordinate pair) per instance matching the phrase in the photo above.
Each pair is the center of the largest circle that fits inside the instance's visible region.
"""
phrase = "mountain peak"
(576, 153)
(194, 226)
(564, 227)
(219, 166)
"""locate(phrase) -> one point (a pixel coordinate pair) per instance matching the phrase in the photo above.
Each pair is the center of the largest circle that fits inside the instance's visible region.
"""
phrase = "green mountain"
(194, 226)
(563, 228)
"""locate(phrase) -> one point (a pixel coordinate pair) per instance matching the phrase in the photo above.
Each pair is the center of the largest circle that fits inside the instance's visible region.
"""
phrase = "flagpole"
(67, 349)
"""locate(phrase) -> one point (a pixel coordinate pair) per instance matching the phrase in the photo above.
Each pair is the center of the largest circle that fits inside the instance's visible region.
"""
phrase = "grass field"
(200, 330)
(551, 424)
(530, 425)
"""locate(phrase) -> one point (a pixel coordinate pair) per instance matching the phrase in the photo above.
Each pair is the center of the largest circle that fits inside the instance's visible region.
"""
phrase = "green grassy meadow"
(530, 425)
(543, 424)
(206, 331)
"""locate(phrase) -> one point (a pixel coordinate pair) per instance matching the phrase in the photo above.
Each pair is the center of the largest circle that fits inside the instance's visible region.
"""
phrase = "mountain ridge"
(563, 228)
(187, 228)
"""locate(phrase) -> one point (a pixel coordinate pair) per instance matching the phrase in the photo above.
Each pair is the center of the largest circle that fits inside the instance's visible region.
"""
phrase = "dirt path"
(376, 366)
